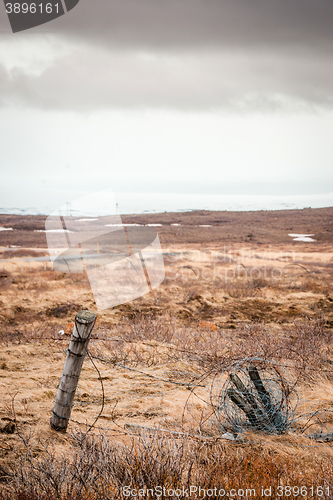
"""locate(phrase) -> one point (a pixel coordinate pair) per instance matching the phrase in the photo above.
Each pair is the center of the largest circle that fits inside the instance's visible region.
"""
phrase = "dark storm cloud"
(187, 54)
(194, 23)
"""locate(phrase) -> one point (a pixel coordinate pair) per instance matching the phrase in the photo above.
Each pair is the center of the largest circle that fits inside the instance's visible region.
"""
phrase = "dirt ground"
(197, 227)
(239, 273)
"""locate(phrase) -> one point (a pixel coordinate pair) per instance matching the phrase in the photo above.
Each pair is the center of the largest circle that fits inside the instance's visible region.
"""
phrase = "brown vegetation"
(263, 227)
(96, 469)
(159, 356)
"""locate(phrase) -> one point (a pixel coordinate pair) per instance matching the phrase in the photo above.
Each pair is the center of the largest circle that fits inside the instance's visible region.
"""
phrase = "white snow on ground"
(302, 237)
(52, 231)
(85, 220)
(120, 225)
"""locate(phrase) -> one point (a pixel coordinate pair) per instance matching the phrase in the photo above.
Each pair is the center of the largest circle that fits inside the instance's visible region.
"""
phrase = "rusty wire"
(254, 394)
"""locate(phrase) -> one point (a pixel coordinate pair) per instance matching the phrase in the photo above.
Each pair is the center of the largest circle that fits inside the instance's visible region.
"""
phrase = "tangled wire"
(256, 394)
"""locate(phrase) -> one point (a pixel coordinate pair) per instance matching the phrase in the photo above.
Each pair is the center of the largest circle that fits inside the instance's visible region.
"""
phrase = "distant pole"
(84, 324)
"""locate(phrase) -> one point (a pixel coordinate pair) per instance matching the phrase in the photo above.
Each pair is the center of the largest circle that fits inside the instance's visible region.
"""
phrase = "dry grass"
(6, 278)
(157, 357)
(306, 342)
(23, 252)
(94, 468)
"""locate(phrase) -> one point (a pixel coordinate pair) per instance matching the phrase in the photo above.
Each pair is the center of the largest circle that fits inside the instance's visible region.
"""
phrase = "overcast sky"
(221, 96)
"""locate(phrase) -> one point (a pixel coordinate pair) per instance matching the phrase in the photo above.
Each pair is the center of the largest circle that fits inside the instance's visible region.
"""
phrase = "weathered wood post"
(272, 410)
(84, 323)
(243, 405)
(261, 418)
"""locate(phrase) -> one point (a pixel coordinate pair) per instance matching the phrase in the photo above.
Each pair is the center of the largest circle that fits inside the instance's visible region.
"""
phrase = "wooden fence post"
(260, 416)
(272, 410)
(84, 323)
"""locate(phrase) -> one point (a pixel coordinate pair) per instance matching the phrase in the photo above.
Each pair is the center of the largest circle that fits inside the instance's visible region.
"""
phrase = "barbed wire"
(251, 393)
(254, 394)
(121, 365)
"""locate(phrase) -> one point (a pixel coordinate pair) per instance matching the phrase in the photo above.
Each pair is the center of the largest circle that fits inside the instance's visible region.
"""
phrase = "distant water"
(140, 203)
(157, 203)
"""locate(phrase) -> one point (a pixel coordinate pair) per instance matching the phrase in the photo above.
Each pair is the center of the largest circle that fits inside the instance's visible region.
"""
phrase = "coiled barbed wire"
(254, 394)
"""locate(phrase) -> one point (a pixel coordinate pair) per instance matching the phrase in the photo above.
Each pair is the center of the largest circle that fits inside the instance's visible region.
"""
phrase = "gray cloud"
(249, 80)
(157, 24)
(185, 54)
